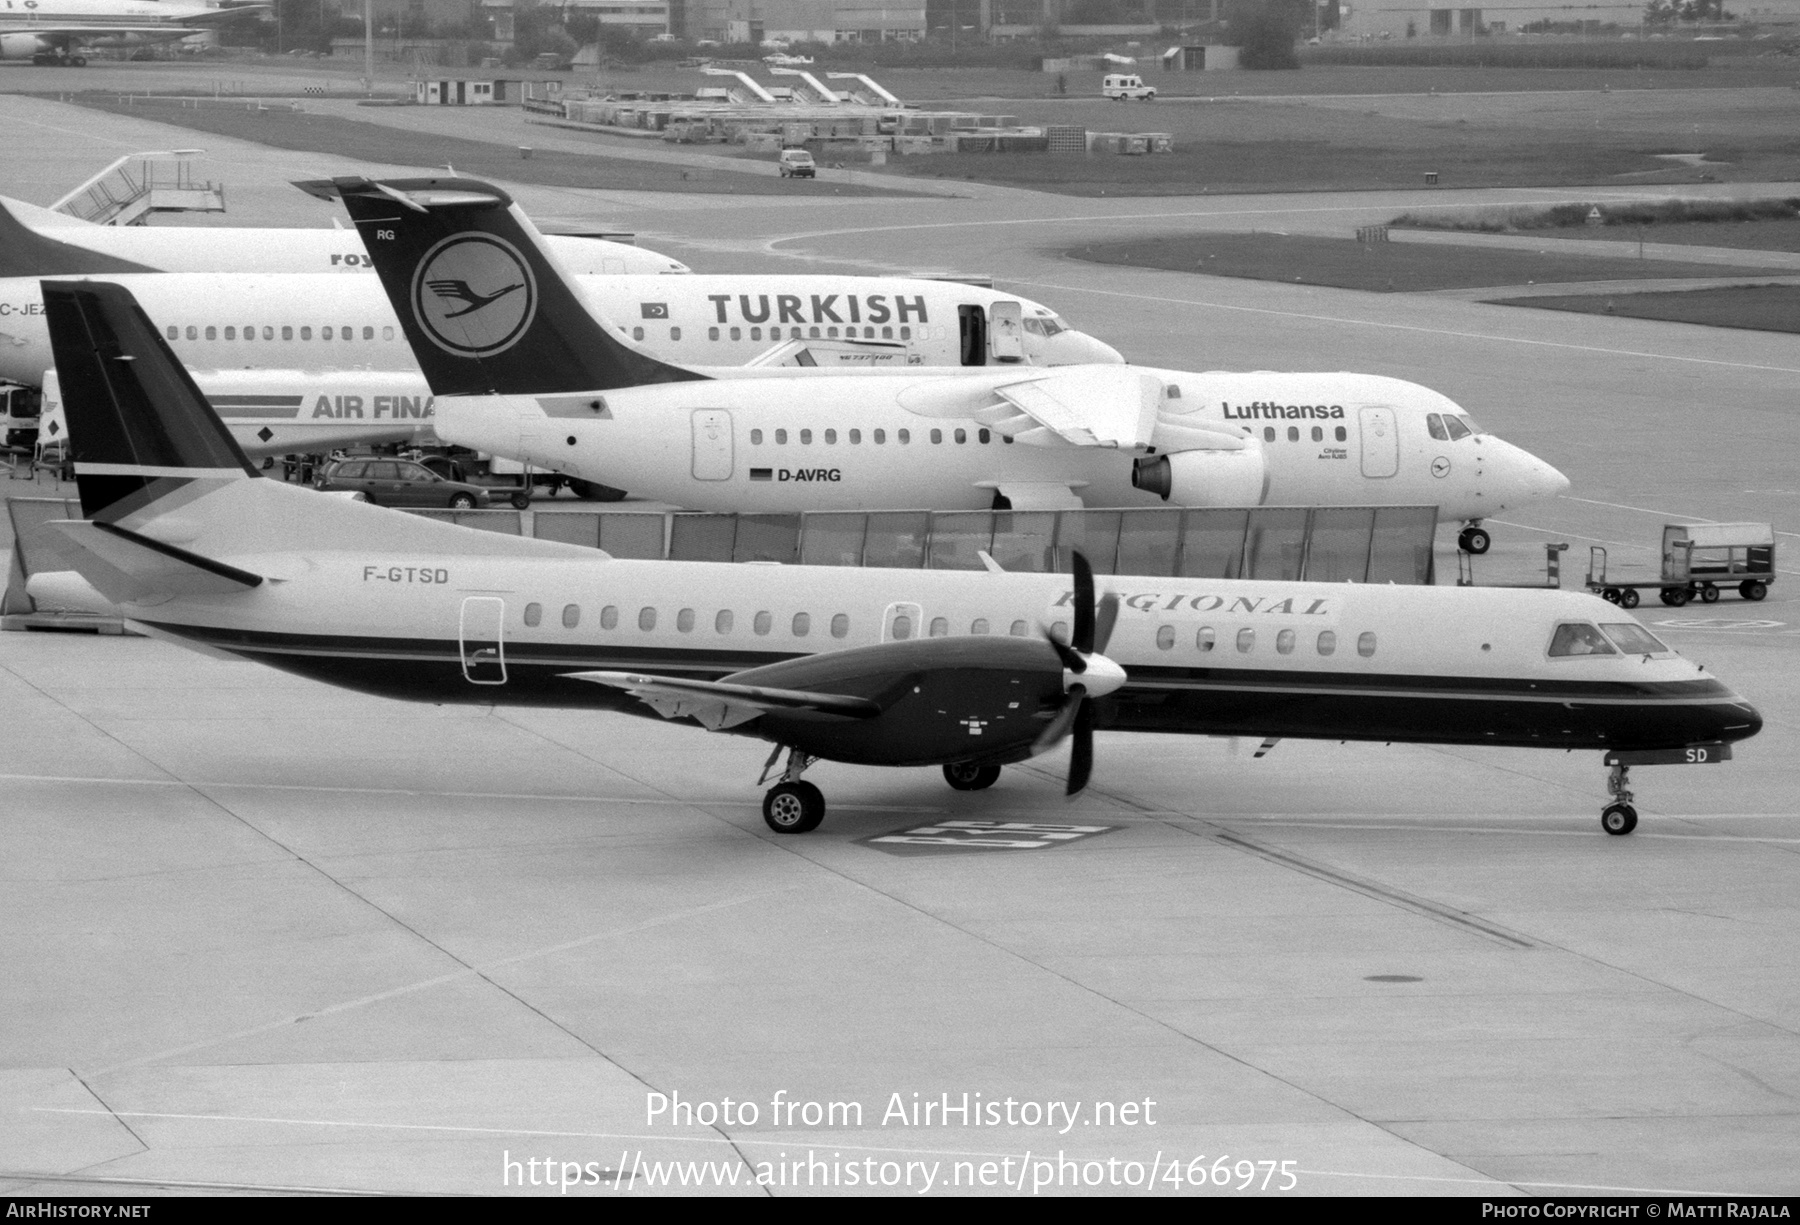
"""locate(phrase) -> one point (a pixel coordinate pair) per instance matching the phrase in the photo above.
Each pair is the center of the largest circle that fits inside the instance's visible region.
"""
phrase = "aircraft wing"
(716, 705)
(1079, 406)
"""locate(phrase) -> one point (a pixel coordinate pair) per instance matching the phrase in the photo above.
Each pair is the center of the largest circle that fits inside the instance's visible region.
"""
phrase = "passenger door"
(712, 444)
(1380, 442)
(1006, 331)
(481, 637)
(972, 323)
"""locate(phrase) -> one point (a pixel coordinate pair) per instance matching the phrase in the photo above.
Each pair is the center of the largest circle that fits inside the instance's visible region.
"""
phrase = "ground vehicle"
(19, 407)
(797, 164)
(1122, 85)
(1697, 560)
(399, 482)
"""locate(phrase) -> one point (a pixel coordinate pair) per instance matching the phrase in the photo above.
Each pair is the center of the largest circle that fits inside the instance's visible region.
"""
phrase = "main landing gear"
(1474, 539)
(1619, 817)
(793, 806)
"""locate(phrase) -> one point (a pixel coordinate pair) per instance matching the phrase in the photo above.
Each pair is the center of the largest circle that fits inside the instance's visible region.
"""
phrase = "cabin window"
(1246, 640)
(1059, 630)
(937, 436)
(368, 333)
(855, 437)
(346, 333)
(674, 333)
(1318, 433)
(737, 333)
(806, 438)
(1293, 433)
(831, 333)
(1434, 423)
(756, 438)
(684, 620)
(762, 622)
(637, 333)
(830, 438)
(268, 332)
(902, 436)
(287, 333)
(609, 617)
(1165, 637)
(1341, 434)
(1633, 639)
(306, 333)
(571, 616)
(387, 333)
(1365, 643)
(940, 627)
(646, 618)
(1579, 638)
(1019, 630)
(1284, 642)
(1327, 642)
(984, 435)
(712, 333)
(193, 332)
(802, 625)
(840, 625)
(815, 333)
(905, 333)
(173, 333)
(324, 333)
(962, 436)
(978, 626)
(902, 627)
(755, 333)
(534, 614)
(781, 438)
(230, 333)
(1268, 433)
(1205, 638)
(722, 622)
(880, 436)
(887, 333)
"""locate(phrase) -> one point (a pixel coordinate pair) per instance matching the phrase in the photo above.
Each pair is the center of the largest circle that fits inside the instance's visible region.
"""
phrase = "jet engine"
(22, 46)
(1204, 478)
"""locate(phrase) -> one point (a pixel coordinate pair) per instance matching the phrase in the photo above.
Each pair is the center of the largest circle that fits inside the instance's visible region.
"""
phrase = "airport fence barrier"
(1331, 544)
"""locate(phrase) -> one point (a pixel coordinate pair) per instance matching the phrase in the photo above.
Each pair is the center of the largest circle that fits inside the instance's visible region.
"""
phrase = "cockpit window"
(1435, 423)
(1034, 326)
(1579, 638)
(1634, 639)
(1456, 427)
(1470, 422)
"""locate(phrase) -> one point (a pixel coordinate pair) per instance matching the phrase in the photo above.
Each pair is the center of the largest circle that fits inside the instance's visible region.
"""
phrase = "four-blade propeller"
(1087, 674)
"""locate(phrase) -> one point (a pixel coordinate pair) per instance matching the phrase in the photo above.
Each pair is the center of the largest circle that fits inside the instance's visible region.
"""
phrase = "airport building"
(822, 21)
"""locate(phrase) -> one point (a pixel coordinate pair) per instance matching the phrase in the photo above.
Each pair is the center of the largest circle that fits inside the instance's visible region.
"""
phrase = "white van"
(1122, 85)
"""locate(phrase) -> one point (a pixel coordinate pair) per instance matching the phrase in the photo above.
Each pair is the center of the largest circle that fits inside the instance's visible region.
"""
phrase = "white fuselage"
(1329, 439)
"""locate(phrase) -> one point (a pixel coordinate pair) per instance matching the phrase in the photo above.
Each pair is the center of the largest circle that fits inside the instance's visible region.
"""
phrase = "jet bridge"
(139, 184)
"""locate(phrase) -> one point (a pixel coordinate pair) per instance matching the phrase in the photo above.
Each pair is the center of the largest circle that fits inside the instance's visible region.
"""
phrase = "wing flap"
(717, 705)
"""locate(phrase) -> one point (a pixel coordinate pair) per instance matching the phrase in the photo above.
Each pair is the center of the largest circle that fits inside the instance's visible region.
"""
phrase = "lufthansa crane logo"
(474, 295)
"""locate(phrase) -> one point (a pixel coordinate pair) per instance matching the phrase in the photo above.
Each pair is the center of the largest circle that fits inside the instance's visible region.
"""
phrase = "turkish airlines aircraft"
(521, 370)
(39, 242)
(870, 666)
(54, 31)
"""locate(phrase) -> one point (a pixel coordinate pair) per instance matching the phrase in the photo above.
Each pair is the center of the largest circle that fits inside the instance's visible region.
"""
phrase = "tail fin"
(487, 308)
(140, 432)
(28, 252)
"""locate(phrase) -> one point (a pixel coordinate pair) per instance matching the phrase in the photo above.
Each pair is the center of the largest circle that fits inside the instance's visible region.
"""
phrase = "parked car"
(399, 482)
(797, 164)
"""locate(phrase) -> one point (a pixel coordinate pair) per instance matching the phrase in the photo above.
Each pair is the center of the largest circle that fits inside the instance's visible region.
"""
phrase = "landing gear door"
(973, 330)
(482, 640)
(1380, 442)
(712, 444)
(1006, 331)
(902, 621)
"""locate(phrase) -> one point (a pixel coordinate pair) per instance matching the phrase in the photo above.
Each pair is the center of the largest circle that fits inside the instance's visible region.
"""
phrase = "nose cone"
(1737, 721)
(1514, 475)
(1072, 348)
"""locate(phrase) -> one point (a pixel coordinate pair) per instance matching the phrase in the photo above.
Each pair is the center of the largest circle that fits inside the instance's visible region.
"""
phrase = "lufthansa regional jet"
(531, 375)
(179, 529)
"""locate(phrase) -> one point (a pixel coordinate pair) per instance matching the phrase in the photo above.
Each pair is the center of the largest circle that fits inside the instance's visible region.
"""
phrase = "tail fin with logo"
(487, 308)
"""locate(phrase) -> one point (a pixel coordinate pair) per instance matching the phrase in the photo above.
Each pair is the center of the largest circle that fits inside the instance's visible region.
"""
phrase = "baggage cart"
(1699, 560)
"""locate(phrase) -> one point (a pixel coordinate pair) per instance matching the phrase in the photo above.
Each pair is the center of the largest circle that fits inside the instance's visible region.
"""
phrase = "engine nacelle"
(21, 46)
(1204, 478)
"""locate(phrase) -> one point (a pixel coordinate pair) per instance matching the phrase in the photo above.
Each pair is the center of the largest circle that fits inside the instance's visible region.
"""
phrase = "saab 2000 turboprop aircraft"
(182, 533)
(54, 31)
(40, 242)
(528, 374)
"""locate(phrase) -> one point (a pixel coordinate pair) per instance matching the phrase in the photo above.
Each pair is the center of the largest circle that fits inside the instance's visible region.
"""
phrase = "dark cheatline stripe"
(255, 406)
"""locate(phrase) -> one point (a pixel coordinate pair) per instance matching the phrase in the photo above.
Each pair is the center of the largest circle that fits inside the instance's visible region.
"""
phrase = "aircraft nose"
(1074, 348)
(1516, 475)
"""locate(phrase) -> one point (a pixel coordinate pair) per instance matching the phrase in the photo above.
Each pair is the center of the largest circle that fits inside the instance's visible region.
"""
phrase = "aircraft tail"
(487, 308)
(25, 251)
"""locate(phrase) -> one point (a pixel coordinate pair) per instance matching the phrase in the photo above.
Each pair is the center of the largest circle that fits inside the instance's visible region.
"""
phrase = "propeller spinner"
(1087, 674)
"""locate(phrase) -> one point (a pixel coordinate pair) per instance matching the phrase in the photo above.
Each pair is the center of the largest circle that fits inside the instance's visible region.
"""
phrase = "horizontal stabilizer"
(128, 568)
(25, 251)
(716, 705)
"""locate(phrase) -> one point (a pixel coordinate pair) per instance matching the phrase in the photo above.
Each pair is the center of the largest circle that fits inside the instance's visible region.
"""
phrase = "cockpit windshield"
(1579, 638)
(1044, 325)
(1457, 427)
(1634, 639)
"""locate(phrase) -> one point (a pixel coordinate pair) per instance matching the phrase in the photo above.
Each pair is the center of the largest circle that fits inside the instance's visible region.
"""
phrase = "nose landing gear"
(793, 806)
(1619, 817)
(966, 776)
(1474, 539)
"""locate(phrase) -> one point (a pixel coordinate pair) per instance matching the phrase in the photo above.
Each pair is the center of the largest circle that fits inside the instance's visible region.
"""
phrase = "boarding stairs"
(139, 184)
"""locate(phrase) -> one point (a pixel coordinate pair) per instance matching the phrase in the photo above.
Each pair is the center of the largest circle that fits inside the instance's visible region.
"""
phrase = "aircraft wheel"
(1628, 598)
(1709, 594)
(1474, 540)
(794, 808)
(1618, 818)
(966, 776)
(521, 500)
(462, 501)
(1753, 589)
(1611, 595)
